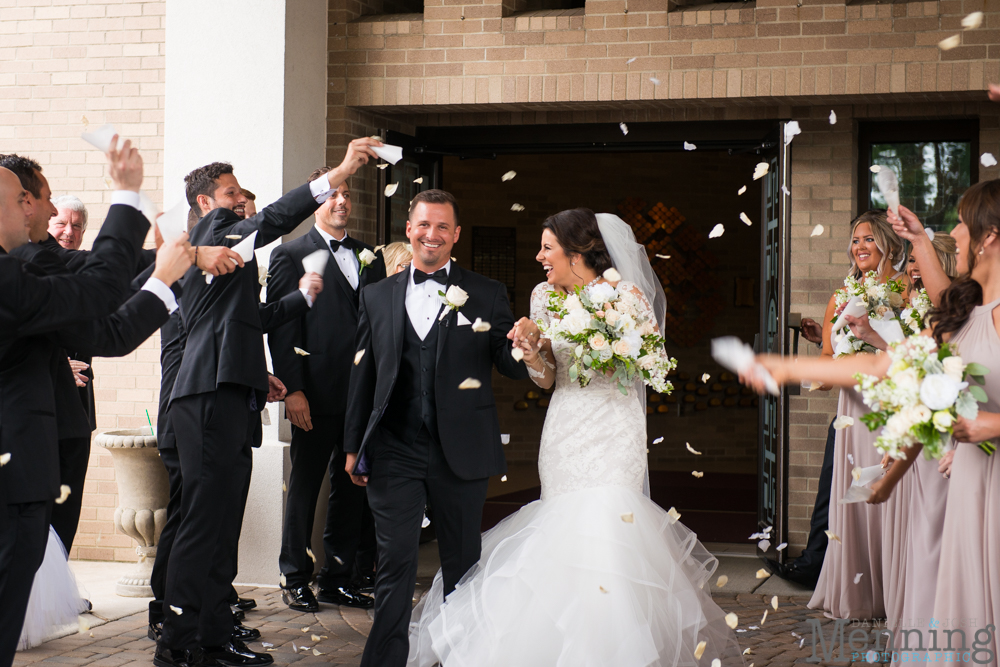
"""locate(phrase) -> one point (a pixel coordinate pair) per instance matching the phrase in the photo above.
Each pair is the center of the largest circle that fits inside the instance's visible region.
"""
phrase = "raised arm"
(909, 227)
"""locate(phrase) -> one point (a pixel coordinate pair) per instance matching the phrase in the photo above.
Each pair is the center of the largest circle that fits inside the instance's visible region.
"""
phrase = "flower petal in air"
(948, 43)
(732, 620)
(697, 474)
(628, 517)
(4, 458)
(689, 146)
(832, 535)
(742, 190)
(415, 180)
(517, 353)
(390, 190)
(875, 169)
(517, 208)
(357, 356)
(842, 422)
(699, 650)
(64, 492)
(674, 515)
(658, 440)
(833, 117)
(817, 231)
(721, 581)
(972, 21)
(717, 231)
(299, 351)
(479, 326)
(176, 610)
(692, 449)
(761, 170)
(746, 220)
(987, 160)
(623, 127)
(706, 377)
(508, 176)
(312, 557)
(763, 574)
(470, 383)
(857, 577)
(774, 602)
(612, 275)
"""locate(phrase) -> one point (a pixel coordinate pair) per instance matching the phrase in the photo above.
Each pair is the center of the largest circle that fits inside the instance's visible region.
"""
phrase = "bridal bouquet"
(613, 335)
(921, 396)
(915, 317)
(883, 303)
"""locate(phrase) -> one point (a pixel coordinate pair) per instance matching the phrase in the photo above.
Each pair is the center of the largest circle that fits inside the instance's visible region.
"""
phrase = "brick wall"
(66, 65)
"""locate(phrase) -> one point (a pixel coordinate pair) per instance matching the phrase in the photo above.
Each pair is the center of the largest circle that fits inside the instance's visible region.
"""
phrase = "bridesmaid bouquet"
(883, 303)
(925, 390)
(915, 317)
(614, 335)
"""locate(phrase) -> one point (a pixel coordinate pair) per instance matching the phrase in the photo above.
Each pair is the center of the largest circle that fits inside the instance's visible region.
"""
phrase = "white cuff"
(160, 289)
(125, 197)
(305, 293)
(320, 188)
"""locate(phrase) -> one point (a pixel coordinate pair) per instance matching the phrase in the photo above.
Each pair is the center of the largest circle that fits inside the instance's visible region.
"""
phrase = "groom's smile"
(433, 231)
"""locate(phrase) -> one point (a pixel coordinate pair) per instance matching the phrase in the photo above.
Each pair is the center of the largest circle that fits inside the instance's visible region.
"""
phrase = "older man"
(70, 221)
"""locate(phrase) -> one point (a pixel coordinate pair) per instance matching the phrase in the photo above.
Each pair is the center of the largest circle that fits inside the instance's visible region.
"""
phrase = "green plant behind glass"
(932, 177)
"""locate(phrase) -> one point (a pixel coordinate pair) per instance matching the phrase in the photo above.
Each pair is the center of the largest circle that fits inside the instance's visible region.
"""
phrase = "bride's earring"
(981, 250)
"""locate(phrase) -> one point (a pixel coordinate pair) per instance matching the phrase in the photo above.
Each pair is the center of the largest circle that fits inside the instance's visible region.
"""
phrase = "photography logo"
(936, 644)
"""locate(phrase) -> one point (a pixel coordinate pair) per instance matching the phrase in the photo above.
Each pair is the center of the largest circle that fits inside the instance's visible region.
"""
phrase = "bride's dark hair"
(577, 232)
(980, 211)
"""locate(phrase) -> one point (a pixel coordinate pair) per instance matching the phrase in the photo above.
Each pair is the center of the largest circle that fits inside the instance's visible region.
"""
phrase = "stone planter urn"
(143, 493)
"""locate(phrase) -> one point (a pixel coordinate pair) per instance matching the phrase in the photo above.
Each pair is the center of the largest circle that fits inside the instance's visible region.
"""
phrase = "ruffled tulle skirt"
(594, 578)
(55, 603)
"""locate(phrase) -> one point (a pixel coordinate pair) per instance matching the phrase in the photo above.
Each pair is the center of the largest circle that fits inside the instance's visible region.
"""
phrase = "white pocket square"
(463, 320)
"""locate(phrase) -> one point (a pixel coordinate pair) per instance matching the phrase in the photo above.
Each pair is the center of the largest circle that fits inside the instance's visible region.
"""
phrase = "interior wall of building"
(710, 276)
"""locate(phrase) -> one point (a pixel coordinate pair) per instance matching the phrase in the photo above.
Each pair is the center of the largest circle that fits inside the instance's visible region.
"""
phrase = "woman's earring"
(574, 263)
(981, 250)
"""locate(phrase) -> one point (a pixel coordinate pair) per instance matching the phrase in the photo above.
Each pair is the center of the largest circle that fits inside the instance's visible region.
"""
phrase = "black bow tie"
(440, 276)
(348, 243)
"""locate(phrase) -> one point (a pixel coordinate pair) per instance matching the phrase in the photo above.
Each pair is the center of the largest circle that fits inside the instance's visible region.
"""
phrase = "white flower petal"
(875, 169)
(630, 61)
(699, 650)
(842, 422)
(764, 545)
(234, 237)
(517, 208)
(716, 663)
(504, 478)
(763, 574)
(658, 440)
(742, 190)
(479, 326)
(717, 231)
(706, 377)
(663, 256)
(517, 353)
(603, 589)
(761, 170)
(623, 127)
(697, 474)
(4, 458)
(689, 146)
(508, 176)
(317, 652)
(315, 638)
(857, 577)
(656, 82)
(357, 356)
(791, 130)
(832, 535)
(64, 492)
(299, 351)
(850, 457)
(312, 557)
(470, 383)
(745, 219)
(987, 160)
(282, 580)
(833, 117)
(774, 602)
(972, 21)
(781, 547)
(384, 165)
(612, 276)
(425, 522)
(732, 620)
(764, 617)
(721, 581)
(817, 231)
(416, 180)
(674, 515)
(390, 190)
(84, 624)
(629, 517)
(949, 43)
(176, 610)
(505, 438)
(692, 449)
(747, 651)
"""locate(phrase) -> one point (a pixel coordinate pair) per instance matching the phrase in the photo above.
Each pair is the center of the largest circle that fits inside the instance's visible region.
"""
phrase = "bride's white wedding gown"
(569, 581)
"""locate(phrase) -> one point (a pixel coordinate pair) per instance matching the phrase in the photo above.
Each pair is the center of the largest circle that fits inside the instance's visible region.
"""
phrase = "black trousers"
(22, 547)
(397, 497)
(74, 456)
(158, 579)
(810, 562)
(215, 432)
(314, 454)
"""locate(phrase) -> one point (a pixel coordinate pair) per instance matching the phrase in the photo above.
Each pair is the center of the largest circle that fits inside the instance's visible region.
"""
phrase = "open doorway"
(672, 199)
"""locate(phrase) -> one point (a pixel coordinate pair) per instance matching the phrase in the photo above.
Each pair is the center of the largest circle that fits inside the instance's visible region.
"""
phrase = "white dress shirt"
(154, 285)
(346, 259)
(423, 303)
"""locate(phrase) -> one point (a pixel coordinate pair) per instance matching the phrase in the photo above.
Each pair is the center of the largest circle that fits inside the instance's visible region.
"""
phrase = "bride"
(594, 573)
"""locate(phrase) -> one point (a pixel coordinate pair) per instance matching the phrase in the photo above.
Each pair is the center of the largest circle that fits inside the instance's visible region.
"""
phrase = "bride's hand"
(523, 329)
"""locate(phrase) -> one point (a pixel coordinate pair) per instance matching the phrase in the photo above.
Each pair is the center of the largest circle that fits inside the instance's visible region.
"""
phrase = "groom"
(413, 435)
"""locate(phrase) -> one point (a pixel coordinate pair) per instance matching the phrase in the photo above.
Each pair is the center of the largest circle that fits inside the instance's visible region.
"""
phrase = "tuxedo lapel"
(399, 312)
(448, 321)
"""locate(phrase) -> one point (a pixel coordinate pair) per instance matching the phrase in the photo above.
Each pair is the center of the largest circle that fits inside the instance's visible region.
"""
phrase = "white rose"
(922, 414)
(622, 347)
(897, 426)
(598, 342)
(601, 293)
(366, 256)
(628, 324)
(577, 322)
(906, 380)
(939, 391)
(881, 311)
(606, 353)
(954, 367)
(612, 317)
(573, 302)
(872, 292)
(943, 420)
(647, 362)
(896, 299)
(456, 296)
(647, 329)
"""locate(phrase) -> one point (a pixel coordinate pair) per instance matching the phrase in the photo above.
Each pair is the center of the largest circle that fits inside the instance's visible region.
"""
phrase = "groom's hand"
(360, 480)
(297, 410)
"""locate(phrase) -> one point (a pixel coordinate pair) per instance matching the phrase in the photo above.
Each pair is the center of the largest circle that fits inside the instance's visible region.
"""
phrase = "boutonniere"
(365, 257)
(454, 299)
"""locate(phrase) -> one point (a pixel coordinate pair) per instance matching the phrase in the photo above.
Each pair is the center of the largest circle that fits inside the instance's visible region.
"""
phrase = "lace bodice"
(593, 436)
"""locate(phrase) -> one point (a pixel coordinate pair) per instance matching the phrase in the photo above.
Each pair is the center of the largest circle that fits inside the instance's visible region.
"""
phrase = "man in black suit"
(317, 401)
(32, 306)
(215, 408)
(413, 433)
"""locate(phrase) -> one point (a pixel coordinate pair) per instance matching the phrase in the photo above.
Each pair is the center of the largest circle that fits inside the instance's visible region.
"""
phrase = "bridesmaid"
(874, 247)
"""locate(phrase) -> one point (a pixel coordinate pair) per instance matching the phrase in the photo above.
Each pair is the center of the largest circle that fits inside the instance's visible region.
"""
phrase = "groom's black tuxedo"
(420, 438)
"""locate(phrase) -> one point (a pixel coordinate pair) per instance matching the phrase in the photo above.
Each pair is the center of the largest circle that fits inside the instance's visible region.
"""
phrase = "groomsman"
(215, 405)
(415, 431)
(317, 402)
(31, 306)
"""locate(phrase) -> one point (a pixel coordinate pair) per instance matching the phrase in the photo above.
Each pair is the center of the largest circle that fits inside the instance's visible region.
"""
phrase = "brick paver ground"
(341, 635)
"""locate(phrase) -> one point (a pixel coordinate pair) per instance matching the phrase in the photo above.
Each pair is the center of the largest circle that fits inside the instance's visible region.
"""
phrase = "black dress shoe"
(237, 654)
(245, 634)
(300, 598)
(789, 572)
(346, 597)
(365, 583)
(154, 631)
(238, 614)
(165, 657)
(245, 604)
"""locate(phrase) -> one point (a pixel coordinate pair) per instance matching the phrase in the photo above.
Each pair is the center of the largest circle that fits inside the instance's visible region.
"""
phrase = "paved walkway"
(337, 636)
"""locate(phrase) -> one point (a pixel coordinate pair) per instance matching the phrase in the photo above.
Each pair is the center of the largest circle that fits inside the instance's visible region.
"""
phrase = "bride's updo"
(578, 233)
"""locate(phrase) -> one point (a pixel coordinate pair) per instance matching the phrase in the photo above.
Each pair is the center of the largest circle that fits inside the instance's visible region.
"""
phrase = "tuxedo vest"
(412, 402)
